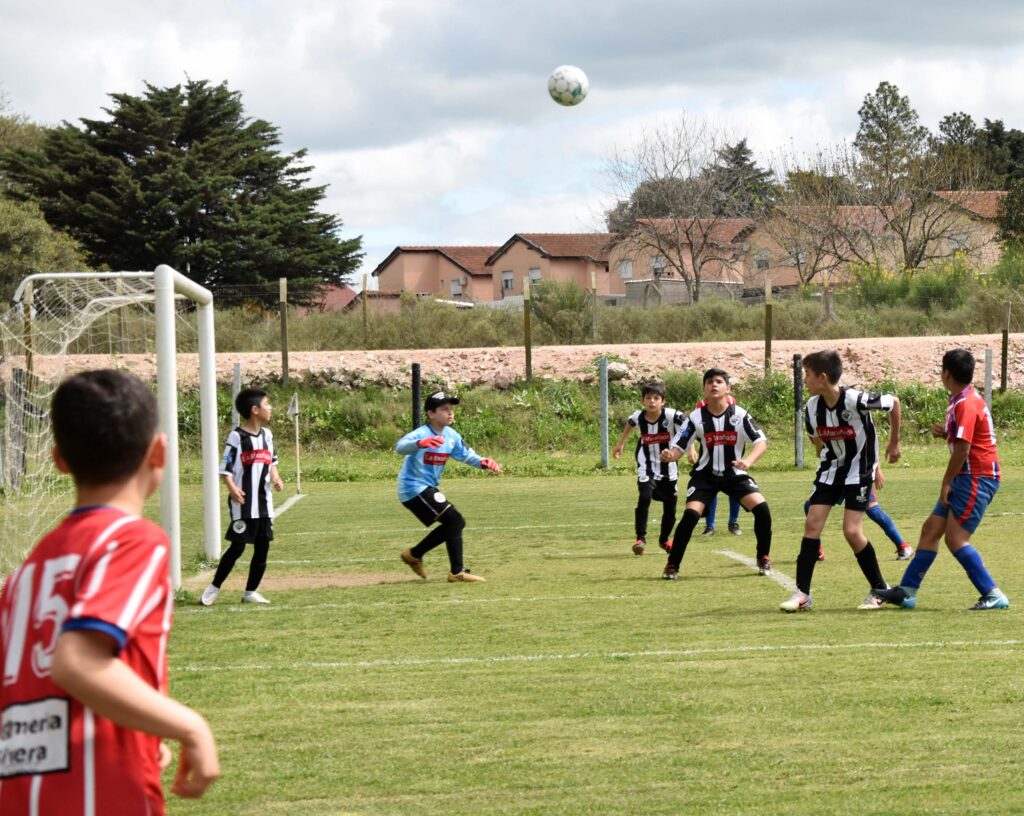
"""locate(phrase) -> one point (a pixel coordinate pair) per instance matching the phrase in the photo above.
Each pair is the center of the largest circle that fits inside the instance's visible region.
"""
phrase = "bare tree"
(671, 207)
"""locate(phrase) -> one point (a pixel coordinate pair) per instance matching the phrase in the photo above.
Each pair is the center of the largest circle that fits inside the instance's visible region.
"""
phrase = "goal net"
(61, 323)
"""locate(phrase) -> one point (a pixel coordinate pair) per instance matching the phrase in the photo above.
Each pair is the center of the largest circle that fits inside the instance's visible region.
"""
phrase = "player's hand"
(741, 464)
(670, 455)
(692, 455)
(164, 755)
(939, 430)
(237, 494)
(879, 479)
(490, 464)
(198, 765)
(892, 453)
(617, 452)
(944, 493)
(431, 442)
(278, 484)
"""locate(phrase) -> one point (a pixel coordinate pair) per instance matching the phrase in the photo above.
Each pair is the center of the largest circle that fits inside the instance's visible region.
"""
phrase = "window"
(534, 275)
(797, 257)
(507, 280)
(658, 266)
(456, 287)
(760, 264)
(959, 241)
(625, 269)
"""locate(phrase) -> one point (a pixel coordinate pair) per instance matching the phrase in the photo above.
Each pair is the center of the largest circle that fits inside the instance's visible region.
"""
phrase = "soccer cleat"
(993, 599)
(466, 576)
(872, 601)
(764, 565)
(821, 554)
(708, 532)
(666, 546)
(415, 564)
(734, 528)
(904, 552)
(797, 602)
(253, 597)
(897, 596)
(209, 595)
(638, 546)
(671, 573)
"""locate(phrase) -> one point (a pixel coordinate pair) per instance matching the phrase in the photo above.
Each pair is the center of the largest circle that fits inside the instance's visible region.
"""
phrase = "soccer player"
(968, 486)
(249, 468)
(712, 507)
(86, 618)
(838, 421)
(426, 451)
(723, 430)
(655, 479)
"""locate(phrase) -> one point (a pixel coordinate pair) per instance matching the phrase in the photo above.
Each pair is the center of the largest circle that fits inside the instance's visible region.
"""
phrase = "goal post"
(54, 318)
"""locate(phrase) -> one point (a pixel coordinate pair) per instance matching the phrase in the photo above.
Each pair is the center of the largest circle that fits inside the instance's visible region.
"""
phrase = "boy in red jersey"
(85, 621)
(969, 484)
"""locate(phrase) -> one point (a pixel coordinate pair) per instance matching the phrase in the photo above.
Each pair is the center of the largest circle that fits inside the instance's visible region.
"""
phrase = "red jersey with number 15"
(968, 419)
(104, 571)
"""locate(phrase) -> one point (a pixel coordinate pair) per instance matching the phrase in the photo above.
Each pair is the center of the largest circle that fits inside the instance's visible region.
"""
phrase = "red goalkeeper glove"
(431, 442)
(490, 464)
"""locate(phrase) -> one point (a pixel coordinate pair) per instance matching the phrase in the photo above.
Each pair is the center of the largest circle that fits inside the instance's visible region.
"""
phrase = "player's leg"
(684, 531)
(669, 501)
(758, 507)
(258, 564)
(734, 516)
(237, 535)
(452, 523)
(932, 531)
(428, 507)
(883, 520)
(818, 507)
(710, 511)
(867, 558)
(968, 500)
(645, 491)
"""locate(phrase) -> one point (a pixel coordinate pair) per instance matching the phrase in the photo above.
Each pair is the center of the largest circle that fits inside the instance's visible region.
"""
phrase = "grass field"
(576, 681)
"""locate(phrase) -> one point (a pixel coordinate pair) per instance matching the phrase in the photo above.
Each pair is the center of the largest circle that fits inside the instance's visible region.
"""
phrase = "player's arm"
(626, 431)
(415, 440)
(275, 478)
(756, 452)
(677, 447)
(86, 666)
(236, 492)
(892, 450)
(227, 464)
(957, 457)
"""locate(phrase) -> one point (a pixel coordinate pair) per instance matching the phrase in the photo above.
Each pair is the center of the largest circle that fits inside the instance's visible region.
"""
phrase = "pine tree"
(181, 176)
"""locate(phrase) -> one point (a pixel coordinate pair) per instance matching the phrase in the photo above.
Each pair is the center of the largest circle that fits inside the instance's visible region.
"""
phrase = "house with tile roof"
(454, 272)
(539, 256)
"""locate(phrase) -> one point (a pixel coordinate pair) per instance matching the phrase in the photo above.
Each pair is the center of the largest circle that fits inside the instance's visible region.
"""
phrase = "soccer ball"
(568, 85)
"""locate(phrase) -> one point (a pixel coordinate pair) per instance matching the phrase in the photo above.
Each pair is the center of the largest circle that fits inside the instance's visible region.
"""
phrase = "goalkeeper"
(426, 451)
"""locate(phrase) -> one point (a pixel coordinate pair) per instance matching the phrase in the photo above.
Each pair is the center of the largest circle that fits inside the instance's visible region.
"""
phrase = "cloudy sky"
(430, 121)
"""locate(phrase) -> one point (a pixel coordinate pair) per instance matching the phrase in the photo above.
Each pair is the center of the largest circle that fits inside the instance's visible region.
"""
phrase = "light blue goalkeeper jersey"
(423, 467)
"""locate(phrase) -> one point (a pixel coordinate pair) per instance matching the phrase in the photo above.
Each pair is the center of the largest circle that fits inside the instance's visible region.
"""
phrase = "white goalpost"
(64, 322)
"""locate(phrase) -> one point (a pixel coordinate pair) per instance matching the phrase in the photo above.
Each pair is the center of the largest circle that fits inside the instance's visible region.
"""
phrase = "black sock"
(868, 563)
(805, 563)
(682, 537)
(762, 529)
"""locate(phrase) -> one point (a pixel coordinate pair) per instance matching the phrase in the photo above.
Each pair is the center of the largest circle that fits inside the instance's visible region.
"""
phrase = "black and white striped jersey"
(723, 438)
(849, 442)
(247, 460)
(654, 438)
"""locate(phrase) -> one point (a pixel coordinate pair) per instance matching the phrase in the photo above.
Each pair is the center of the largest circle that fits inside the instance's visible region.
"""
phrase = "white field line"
(534, 658)
(783, 581)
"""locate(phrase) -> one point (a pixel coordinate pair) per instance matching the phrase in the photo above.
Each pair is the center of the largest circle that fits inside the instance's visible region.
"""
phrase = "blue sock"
(734, 511)
(881, 518)
(709, 512)
(970, 560)
(917, 568)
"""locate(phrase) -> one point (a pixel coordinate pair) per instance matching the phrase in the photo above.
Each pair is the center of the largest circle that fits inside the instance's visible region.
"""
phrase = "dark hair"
(825, 362)
(103, 423)
(960, 365)
(652, 388)
(247, 399)
(715, 372)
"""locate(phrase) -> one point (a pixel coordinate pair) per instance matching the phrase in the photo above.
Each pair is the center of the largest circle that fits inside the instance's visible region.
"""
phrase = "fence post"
(527, 339)
(417, 400)
(767, 325)
(798, 410)
(1006, 347)
(283, 283)
(366, 325)
(27, 313)
(236, 386)
(988, 379)
(603, 368)
(593, 317)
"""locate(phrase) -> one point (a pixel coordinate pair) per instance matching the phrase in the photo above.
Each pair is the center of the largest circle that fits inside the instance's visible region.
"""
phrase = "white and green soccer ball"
(568, 85)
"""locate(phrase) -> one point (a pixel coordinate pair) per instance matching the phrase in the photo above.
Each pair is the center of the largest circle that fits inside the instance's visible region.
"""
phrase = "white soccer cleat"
(797, 602)
(209, 595)
(254, 597)
(872, 601)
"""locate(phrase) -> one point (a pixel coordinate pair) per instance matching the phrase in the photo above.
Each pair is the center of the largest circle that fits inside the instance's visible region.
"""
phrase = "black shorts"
(246, 531)
(428, 505)
(856, 497)
(661, 490)
(704, 487)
